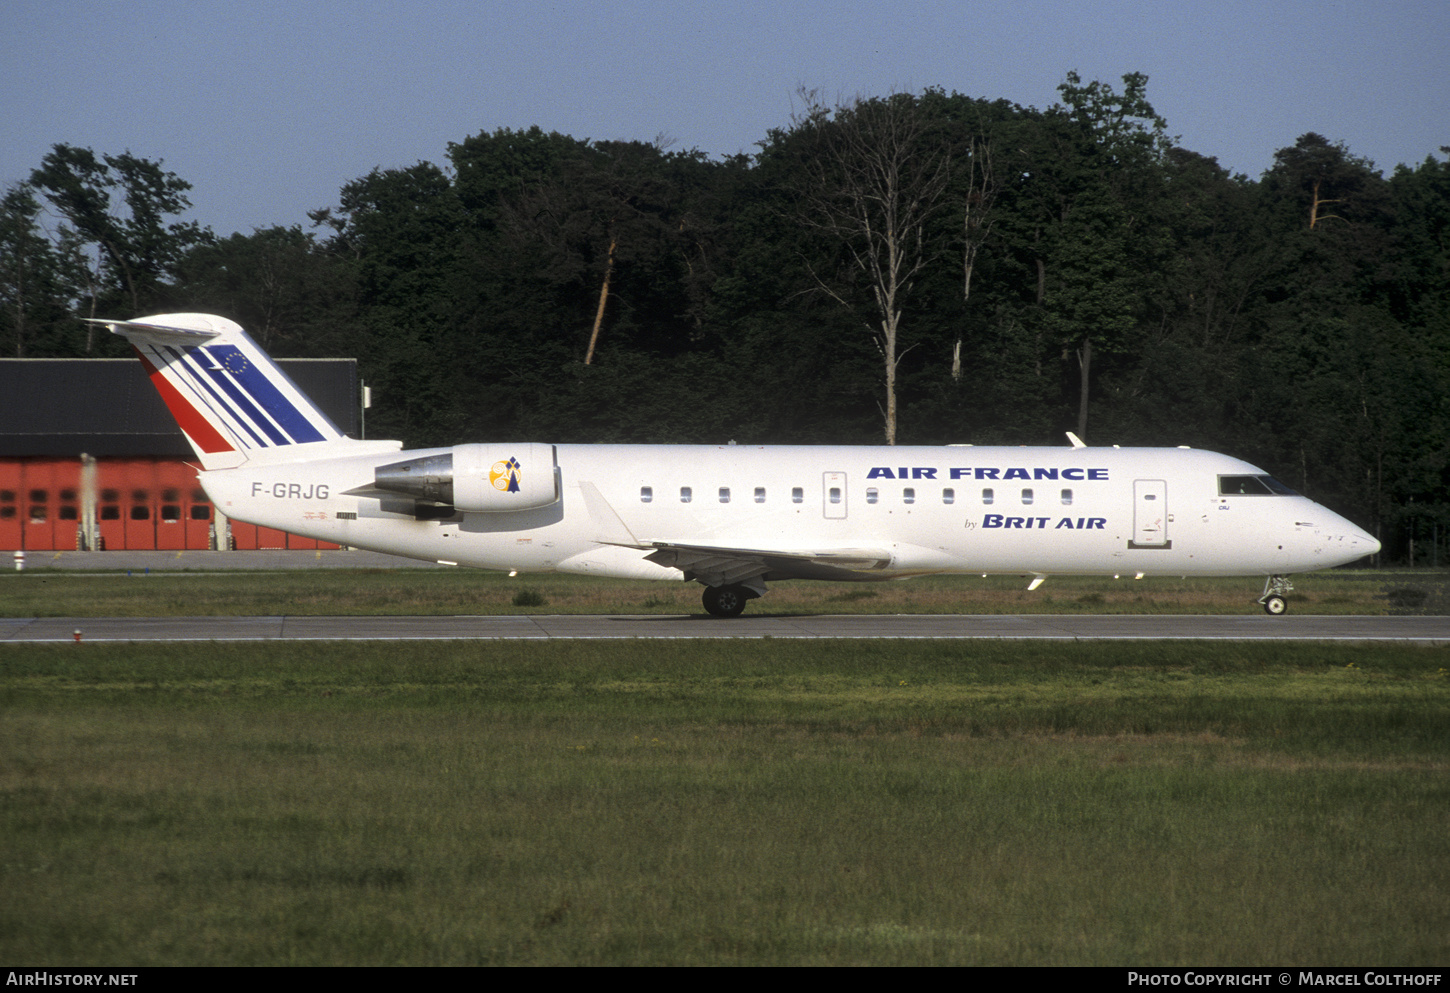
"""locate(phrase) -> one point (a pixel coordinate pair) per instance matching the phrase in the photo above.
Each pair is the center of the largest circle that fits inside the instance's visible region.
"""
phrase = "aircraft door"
(834, 495)
(1150, 514)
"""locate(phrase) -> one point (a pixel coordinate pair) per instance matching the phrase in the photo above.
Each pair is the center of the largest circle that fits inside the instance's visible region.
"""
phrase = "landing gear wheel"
(725, 601)
(1275, 589)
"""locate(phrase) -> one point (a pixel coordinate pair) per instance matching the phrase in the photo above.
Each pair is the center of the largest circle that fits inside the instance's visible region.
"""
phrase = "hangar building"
(90, 458)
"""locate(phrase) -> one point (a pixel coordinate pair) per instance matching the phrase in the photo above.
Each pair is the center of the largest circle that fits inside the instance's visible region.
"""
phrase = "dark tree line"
(916, 268)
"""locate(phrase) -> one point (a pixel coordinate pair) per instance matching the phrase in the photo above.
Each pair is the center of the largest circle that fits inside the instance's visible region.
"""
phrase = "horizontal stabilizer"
(156, 333)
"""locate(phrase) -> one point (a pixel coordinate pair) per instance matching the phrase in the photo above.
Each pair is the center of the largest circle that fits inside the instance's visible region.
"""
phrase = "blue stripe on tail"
(254, 380)
(258, 417)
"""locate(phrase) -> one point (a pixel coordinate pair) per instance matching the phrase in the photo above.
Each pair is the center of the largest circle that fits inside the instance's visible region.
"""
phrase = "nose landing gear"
(1275, 590)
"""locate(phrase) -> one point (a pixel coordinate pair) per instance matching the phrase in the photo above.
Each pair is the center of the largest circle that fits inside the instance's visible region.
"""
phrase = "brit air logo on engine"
(504, 476)
(980, 472)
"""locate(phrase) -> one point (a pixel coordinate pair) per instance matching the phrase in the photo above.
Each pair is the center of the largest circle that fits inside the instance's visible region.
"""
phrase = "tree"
(616, 241)
(37, 280)
(493, 169)
(1325, 181)
(22, 252)
(1178, 385)
(1080, 206)
(278, 283)
(1420, 199)
(138, 248)
(977, 221)
(398, 247)
(864, 177)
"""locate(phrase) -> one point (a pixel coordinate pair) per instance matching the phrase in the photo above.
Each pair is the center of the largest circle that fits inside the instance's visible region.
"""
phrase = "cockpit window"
(1252, 486)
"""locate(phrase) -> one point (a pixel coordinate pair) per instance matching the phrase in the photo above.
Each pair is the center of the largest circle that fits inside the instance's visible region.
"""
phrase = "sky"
(269, 108)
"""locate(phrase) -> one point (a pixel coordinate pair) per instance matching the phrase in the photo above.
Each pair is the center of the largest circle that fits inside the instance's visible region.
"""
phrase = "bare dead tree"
(1314, 215)
(977, 223)
(603, 296)
(871, 182)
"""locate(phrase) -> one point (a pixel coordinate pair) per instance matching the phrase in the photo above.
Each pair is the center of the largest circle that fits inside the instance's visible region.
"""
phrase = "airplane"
(730, 517)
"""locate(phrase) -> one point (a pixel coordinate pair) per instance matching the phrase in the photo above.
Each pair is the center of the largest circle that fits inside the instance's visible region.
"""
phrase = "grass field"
(724, 803)
(387, 591)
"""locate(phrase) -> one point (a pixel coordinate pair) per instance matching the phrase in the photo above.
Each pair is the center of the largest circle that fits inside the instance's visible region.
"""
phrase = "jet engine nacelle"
(477, 479)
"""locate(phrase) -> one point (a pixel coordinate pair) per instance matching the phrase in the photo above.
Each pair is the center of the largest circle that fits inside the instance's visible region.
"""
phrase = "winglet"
(1076, 441)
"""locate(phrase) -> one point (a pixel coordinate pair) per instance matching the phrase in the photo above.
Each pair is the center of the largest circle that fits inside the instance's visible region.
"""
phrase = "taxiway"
(533, 627)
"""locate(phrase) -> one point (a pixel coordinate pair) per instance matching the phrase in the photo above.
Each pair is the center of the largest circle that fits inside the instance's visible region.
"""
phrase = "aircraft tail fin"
(228, 397)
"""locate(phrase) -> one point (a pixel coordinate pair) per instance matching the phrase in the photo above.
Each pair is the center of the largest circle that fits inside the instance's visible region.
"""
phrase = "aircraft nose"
(1349, 541)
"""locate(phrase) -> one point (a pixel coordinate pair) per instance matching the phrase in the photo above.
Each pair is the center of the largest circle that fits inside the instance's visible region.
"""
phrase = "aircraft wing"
(723, 565)
(717, 565)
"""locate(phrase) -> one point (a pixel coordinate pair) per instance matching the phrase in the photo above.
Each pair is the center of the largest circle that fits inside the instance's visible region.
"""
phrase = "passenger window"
(870, 494)
(1026, 497)
(646, 494)
(987, 496)
(1066, 498)
(724, 494)
(835, 494)
(760, 494)
(949, 496)
(686, 494)
(908, 495)
(797, 495)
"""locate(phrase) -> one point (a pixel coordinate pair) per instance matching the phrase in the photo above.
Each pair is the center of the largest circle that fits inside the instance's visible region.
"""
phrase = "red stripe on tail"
(197, 427)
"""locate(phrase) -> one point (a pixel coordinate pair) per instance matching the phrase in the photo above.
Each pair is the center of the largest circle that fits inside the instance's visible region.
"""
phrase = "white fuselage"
(1083, 511)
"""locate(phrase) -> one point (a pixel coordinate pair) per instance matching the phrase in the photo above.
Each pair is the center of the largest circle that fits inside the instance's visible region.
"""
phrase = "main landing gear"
(727, 601)
(1275, 589)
